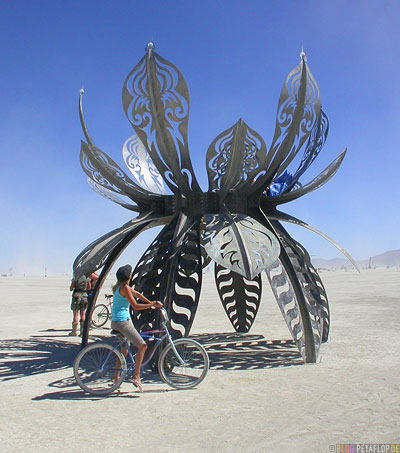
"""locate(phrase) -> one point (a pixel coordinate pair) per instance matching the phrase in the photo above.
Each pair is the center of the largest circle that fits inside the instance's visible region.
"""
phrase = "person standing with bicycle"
(81, 288)
(125, 297)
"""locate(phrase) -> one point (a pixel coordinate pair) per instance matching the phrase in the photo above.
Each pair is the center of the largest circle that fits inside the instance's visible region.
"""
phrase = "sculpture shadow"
(242, 351)
(227, 351)
(36, 355)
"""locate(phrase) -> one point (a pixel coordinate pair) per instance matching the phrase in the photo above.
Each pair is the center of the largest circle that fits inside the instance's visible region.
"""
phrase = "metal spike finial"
(303, 54)
(150, 46)
(81, 91)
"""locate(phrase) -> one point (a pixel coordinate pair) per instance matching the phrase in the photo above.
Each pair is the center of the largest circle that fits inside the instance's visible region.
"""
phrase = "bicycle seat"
(117, 333)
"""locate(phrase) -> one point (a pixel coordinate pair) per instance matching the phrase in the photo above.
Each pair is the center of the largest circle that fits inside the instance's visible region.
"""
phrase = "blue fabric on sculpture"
(280, 185)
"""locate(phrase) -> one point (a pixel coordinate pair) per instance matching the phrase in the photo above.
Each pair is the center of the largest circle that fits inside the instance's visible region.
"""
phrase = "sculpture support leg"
(293, 306)
(183, 277)
(112, 257)
(312, 286)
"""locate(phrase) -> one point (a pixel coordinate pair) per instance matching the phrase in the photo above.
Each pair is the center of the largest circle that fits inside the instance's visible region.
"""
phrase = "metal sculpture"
(235, 223)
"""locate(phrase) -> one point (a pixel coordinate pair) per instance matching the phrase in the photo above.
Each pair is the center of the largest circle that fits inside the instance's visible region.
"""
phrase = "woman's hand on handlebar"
(157, 304)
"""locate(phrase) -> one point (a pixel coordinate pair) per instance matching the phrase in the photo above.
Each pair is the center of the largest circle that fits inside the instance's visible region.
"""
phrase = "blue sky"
(235, 56)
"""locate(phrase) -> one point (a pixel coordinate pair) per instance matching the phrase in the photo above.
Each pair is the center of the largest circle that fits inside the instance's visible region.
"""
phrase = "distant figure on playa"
(81, 288)
(125, 297)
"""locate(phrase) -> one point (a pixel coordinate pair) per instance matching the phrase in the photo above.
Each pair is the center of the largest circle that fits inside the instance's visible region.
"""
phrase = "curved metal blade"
(277, 215)
(95, 254)
(106, 193)
(82, 119)
(83, 266)
(141, 166)
(156, 102)
(291, 304)
(239, 243)
(150, 272)
(316, 183)
(298, 110)
(315, 143)
(99, 167)
(240, 297)
(311, 284)
(184, 285)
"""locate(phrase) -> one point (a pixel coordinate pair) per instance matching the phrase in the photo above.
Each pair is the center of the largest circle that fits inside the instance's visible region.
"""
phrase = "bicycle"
(100, 368)
(102, 312)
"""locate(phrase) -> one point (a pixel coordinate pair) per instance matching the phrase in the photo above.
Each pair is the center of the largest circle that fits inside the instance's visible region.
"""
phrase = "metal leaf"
(316, 183)
(156, 102)
(185, 282)
(286, 298)
(95, 254)
(315, 143)
(298, 110)
(240, 297)
(239, 243)
(311, 284)
(150, 272)
(82, 119)
(141, 166)
(234, 158)
(104, 171)
(277, 215)
(106, 193)
(171, 270)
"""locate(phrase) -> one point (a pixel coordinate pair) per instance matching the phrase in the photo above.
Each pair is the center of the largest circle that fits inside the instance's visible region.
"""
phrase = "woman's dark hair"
(122, 274)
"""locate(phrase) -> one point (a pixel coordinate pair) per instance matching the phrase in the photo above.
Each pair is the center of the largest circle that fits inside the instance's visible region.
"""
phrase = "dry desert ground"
(257, 396)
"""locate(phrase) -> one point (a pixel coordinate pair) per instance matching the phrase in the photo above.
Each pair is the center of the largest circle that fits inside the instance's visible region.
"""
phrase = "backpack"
(81, 284)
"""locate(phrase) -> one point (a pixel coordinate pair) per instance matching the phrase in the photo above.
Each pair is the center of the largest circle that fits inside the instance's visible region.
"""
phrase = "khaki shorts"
(128, 331)
(79, 302)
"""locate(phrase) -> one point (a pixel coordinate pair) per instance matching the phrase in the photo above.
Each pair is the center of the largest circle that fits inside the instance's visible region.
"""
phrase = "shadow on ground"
(227, 351)
(236, 351)
(55, 351)
(28, 357)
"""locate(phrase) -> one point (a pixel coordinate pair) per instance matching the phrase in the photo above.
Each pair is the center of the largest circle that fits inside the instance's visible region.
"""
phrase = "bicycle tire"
(100, 315)
(96, 366)
(186, 376)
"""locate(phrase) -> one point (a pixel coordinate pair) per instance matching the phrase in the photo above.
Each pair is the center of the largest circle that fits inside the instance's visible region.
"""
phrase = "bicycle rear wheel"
(191, 372)
(99, 369)
(100, 315)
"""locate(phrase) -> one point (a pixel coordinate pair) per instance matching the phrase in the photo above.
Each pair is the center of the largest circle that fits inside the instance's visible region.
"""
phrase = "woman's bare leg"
(119, 364)
(139, 359)
(138, 363)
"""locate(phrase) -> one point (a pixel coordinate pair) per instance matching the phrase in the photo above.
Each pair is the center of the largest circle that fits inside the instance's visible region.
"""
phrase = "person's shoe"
(74, 331)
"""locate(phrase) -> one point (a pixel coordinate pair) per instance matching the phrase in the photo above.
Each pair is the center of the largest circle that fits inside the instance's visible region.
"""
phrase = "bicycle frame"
(100, 369)
(150, 335)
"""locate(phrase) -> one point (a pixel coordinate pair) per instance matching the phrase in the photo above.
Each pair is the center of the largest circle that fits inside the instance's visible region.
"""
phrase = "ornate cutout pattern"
(233, 219)
(240, 297)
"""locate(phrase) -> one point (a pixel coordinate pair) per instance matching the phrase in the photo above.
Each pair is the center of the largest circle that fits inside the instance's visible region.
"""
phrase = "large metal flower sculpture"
(235, 223)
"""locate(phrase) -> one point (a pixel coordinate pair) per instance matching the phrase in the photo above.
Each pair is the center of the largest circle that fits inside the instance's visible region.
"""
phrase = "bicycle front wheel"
(99, 369)
(100, 315)
(188, 368)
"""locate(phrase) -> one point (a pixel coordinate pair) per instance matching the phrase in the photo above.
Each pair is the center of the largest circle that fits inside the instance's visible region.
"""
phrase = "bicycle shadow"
(80, 395)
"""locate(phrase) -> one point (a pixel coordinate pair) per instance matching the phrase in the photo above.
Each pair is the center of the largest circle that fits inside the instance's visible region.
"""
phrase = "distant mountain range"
(387, 259)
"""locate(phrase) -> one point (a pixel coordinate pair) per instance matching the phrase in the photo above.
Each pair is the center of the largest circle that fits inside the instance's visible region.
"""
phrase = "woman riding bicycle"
(124, 297)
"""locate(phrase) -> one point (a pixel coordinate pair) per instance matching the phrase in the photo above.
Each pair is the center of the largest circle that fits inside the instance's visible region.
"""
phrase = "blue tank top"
(120, 309)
